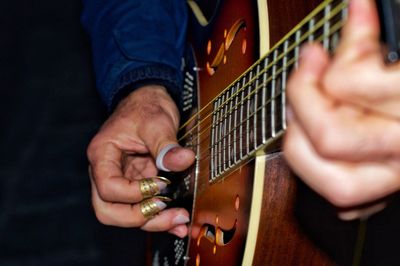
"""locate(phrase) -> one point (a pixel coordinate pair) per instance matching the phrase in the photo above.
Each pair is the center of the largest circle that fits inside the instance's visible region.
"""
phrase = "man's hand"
(343, 136)
(124, 151)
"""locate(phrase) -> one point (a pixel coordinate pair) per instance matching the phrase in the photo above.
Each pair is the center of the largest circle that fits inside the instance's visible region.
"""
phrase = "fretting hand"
(343, 137)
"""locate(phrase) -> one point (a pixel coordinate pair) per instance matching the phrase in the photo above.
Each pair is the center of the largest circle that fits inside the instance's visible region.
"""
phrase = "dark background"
(49, 110)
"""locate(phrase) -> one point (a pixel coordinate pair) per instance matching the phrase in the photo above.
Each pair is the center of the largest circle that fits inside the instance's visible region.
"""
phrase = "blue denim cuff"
(148, 75)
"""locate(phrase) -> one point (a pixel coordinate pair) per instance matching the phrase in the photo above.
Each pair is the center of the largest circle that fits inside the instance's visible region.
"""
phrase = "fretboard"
(249, 115)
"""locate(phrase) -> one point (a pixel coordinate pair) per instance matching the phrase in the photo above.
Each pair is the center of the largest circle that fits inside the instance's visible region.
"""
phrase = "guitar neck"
(250, 114)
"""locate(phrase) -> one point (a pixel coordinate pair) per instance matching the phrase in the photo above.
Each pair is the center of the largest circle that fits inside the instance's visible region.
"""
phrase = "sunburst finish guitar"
(240, 192)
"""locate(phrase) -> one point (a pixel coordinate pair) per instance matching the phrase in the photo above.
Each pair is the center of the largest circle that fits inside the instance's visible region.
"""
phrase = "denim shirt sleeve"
(135, 42)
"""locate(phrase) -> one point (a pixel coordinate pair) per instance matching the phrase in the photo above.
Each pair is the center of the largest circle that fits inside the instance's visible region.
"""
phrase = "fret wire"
(297, 49)
(236, 119)
(311, 25)
(264, 100)
(338, 8)
(232, 133)
(327, 11)
(283, 82)
(247, 141)
(220, 148)
(257, 118)
(213, 142)
(229, 130)
(225, 140)
(254, 124)
(273, 93)
(217, 134)
(241, 119)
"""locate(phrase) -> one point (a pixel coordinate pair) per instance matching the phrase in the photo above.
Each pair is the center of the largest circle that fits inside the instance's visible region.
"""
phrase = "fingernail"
(161, 182)
(179, 232)
(160, 205)
(160, 157)
(180, 219)
(175, 149)
(162, 198)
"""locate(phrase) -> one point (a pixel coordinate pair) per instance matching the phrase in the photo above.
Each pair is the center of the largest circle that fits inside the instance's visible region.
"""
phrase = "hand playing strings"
(122, 163)
(343, 137)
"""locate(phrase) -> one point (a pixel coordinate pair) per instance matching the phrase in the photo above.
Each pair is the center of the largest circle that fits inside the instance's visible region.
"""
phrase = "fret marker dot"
(237, 203)
(244, 46)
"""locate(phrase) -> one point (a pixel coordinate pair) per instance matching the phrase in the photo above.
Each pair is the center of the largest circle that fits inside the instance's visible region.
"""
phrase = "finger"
(360, 35)
(174, 158)
(130, 215)
(173, 220)
(343, 184)
(337, 130)
(159, 135)
(358, 74)
(362, 212)
(180, 231)
(109, 179)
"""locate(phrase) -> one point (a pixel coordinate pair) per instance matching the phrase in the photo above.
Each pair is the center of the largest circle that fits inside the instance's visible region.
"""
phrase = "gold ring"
(149, 207)
(149, 187)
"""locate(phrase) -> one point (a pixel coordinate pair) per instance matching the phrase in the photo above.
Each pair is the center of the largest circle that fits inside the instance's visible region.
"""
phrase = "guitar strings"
(206, 121)
(303, 38)
(256, 111)
(292, 61)
(312, 15)
(206, 152)
(270, 65)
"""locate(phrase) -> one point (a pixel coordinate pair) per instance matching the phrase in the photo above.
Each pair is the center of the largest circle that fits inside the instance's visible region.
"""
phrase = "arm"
(344, 133)
(135, 42)
(137, 50)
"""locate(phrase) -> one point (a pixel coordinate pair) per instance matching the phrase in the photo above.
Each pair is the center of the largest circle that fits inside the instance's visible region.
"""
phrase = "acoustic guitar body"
(243, 210)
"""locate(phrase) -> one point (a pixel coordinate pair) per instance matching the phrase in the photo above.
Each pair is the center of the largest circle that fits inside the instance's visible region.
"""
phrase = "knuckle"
(326, 141)
(343, 194)
(104, 190)
(91, 149)
(102, 216)
(333, 85)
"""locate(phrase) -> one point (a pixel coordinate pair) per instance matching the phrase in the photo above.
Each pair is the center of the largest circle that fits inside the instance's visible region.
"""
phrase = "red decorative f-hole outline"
(229, 37)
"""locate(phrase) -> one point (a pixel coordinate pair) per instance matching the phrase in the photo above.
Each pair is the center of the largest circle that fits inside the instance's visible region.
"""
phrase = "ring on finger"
(151, 207)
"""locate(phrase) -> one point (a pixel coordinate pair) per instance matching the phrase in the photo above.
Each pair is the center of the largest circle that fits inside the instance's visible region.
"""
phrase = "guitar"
(241, 194)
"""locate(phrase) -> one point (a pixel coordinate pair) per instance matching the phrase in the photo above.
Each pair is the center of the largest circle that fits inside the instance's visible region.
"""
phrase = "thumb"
(173, 157)
(361, 31)
(158, 132)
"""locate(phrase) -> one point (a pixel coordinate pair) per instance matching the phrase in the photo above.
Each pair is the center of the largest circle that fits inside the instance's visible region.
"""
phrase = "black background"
(49, 110)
